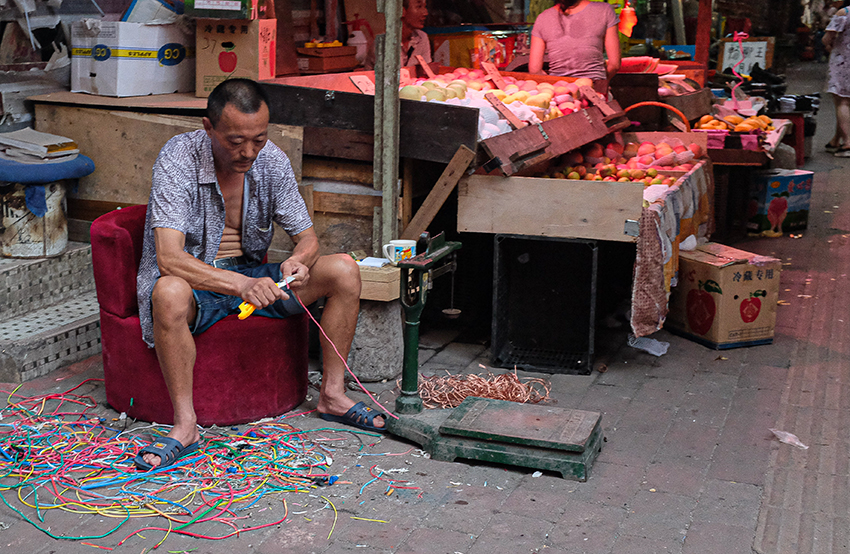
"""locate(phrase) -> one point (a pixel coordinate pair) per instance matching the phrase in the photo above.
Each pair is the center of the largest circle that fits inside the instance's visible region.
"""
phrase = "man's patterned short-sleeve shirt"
(185, 196)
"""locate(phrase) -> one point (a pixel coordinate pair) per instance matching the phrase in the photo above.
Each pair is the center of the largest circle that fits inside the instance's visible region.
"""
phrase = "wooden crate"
(566, 208)
(380, 283)
(693, 105)
(548, 207)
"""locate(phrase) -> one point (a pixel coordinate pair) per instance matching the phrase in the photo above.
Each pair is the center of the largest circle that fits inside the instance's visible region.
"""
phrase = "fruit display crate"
(429, 131)
(540, 206)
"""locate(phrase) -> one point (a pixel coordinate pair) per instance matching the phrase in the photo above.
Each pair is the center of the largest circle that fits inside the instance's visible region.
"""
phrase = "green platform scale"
(528, 435)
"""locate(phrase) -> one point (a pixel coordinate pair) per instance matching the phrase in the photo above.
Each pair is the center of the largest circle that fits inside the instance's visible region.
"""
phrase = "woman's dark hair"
(567, 4)
(246, 95)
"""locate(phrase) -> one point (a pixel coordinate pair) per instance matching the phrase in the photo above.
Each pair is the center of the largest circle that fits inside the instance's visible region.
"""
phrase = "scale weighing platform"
(529, 435)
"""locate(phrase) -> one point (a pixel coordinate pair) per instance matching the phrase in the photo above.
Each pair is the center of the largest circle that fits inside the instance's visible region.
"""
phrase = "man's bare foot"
(186, 436)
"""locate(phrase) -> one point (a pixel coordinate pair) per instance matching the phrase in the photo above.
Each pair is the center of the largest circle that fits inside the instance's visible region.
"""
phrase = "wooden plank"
(493, 75)
(89, 210)
(505, 112)
(124, 146)
(438, 195)
(429, 130)
(548, 207)
(161, 103)
(425, 67)
(337, 170)
(286, 59)
(703, 38)
(563, 133)
(693, 105)
(338, 143)
(352, 204)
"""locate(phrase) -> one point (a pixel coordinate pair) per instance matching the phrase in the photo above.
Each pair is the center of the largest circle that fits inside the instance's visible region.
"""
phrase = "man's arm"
(304, 255)
(175, 262)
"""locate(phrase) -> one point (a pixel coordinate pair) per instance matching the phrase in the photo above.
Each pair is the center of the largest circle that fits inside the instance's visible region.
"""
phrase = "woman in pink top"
(575, 33)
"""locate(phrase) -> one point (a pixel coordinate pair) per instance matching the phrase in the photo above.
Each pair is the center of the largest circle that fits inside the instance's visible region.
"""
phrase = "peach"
(571, 88)
(590, 177)
(574, 157)
(637, 174)
(646, 148)
(561, 90)
(573, 175)
(696, 149)
(615, 147)
(475, 84)
(651, 172)
(630, 150)
(461, 71)
(680, 149)
(582, 170)
(646, 160)
(476, 73)
(594, 150)
(661, 151)
(583, 82)
(688, 167)
(609, 178)
(561, 83)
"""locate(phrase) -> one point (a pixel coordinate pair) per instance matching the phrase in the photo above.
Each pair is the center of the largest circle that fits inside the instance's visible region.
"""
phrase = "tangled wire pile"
(56, 454)
(449, 391)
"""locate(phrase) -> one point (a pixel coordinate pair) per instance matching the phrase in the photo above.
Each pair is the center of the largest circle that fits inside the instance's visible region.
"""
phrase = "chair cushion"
(116, 248)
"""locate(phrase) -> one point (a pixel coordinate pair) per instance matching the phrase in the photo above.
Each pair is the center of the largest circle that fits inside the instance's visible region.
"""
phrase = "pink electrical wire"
(739, 37)
(341, 358)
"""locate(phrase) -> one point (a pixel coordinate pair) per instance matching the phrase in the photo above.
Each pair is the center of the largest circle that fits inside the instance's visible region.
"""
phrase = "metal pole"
(386, 122)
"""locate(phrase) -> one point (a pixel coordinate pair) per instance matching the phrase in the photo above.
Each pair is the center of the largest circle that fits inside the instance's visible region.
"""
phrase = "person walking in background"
(837, 43)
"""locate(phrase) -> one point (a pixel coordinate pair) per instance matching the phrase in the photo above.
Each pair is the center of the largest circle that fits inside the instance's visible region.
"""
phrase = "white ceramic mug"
(398, 250)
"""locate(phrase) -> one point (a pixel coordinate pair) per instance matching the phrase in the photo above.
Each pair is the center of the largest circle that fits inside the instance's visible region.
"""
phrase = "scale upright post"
(416, 276)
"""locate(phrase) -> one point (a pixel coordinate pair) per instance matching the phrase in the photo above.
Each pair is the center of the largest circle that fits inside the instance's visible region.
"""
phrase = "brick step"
(33, 284)
(35, 343)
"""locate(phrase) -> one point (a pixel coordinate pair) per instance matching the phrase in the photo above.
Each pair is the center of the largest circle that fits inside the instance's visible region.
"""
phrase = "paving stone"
(469, 510)
(432, 540)
(662, 516)
(717, 537)
(643, 544)
(728, 503)
(587, 527)
(522, 534)
(688, 440)
(683, 477)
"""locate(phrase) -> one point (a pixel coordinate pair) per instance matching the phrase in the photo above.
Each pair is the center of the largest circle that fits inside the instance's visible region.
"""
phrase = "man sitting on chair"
(214, 196)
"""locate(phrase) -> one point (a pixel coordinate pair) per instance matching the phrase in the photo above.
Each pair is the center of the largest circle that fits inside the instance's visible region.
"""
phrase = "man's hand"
(298, 270)
(261, 292)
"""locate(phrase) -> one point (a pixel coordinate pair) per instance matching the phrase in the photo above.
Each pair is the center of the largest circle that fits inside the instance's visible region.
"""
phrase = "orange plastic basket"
(662, 105)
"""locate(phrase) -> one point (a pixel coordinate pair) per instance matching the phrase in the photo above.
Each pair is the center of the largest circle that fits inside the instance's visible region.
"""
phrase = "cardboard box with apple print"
(779, 201)
(725, 297)
(234, 48)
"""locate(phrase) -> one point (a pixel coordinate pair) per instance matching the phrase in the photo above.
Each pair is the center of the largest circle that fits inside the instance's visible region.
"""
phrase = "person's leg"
(842, 116)
(173, 311)
(835, 142)
(337, 278)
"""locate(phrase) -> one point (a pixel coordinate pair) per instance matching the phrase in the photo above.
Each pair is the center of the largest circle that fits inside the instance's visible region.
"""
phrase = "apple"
(680, 149)
(582, 170)
(573, 175)
(227, 60)
(594, 150)
(696, 149)
(630, 150)
(646, 160)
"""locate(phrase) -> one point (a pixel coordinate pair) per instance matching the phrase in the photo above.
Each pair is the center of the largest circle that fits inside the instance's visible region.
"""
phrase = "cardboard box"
(221, 9)
(380, 283)
(234, 48)
(116, 58)
(325, 64)
(725, 297)
(779, 201)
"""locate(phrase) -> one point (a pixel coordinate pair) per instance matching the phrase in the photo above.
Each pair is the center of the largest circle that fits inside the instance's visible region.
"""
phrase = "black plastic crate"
(544, 303)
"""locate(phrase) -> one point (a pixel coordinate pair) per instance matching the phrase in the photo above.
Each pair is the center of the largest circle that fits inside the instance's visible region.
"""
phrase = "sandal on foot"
(831, 148)
(169, 451)
(842, 153)
(360, 416)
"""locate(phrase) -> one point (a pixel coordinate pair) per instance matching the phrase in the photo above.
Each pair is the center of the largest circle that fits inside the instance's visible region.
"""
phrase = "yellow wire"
(335, 516)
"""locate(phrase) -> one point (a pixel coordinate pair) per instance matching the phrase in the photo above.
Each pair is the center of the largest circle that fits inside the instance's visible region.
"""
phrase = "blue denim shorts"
(213, 306)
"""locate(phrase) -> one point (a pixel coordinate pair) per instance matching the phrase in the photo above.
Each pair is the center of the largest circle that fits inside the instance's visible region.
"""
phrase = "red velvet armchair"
(245, 370)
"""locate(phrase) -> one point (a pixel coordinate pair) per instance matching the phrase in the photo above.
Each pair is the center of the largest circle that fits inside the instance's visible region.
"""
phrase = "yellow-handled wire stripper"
(246, 308)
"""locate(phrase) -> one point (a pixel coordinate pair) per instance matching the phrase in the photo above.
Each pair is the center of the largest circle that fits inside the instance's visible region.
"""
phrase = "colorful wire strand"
(56, 453)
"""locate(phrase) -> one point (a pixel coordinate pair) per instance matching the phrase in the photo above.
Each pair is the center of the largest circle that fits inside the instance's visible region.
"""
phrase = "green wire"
(51, 535)
(194, 519)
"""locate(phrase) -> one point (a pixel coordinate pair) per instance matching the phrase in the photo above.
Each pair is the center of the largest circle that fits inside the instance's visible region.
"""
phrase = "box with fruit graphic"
(115, 58)
(234, 48)
(779, 201)
(725, 297)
